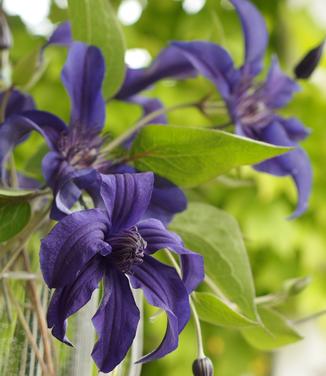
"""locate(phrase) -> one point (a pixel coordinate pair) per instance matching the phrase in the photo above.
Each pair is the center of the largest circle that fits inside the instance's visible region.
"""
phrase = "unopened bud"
(308, 64)
(5, 34)
(296, 285)
(202, 367)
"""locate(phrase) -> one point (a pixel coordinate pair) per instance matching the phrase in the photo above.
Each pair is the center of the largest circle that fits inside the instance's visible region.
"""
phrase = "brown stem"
(40, 317)
(29, 334)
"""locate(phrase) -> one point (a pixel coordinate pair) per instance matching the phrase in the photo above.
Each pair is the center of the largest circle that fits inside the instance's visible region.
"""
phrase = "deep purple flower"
(77, 147)
(253, 106)
(112, 243)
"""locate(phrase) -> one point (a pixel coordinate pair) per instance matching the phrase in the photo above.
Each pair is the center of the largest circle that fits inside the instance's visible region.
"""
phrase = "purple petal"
(295, 130)
(255, 35)
(17, 127)
(83, 76)
(126, 197)
(294, 163)
(61, 36)
(167, 200)
(278, 88)
(213, 62)
(71, 298)
(163, 288)
(170, 63)
(115, 321)
(17, 102)
(309, 62)
(71, 244)
(157, 237)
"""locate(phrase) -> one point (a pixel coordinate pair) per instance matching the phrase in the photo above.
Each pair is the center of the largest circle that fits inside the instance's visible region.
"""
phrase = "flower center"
(127, 249)
(79, 151)
(252, 111)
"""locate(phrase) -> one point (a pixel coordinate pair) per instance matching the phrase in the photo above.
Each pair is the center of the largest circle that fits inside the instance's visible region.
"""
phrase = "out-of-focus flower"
(309, 62)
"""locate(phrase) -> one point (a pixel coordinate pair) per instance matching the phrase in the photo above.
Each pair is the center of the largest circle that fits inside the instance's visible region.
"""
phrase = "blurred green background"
(279, 249)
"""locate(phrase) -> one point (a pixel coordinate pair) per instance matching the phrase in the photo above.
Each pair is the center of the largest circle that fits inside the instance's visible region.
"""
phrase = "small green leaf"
(28, 69)
(213, 310)
(14, 216)
(216, 235)
(94, 22)
(16, 195)
(191, 156)
(277, 331)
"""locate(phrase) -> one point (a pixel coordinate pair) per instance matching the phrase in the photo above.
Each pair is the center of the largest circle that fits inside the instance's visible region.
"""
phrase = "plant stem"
(29, 334)
(145, 120)
(200, 345)
(311, 317)
(40, 317)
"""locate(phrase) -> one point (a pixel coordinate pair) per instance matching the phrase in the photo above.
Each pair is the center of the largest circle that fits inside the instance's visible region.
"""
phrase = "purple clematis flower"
(76, 148)
(253, 106)
(112, 243)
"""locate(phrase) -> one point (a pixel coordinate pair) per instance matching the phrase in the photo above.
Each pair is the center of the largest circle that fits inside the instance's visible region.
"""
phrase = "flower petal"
(16, 127)
(255, 35)
(71, 244)
(278, 88)
(167, 200)
(17, 102)
(126, 197)
(170, 63)
(157, 237)
(61, 36)
(83, 76)
(294, 163)
(213, 62)
(71, 298)
(115, 321)
(163, 288)
(294, 128)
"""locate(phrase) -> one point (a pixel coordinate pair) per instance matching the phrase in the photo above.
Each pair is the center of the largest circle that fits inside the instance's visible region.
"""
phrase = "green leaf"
(191, 156)
(18, 195)
(277, 331)
(28, 69)
(213, 310)
(216, 235)
(94, 22)
(14, 216)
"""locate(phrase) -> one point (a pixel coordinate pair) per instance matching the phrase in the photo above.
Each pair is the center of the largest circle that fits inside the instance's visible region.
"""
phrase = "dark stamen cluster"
(127, 249)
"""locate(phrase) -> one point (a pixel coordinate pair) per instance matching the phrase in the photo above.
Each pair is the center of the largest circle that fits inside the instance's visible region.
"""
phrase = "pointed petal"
(170, 63)
(163, 288)
(71, 298)
(83, 76)
(167, 200)
(157, 237)
(309, 62)
(294, 163)
(213, 62)
(17, 127)
(115, 321)
(61, 36)
(295, 129)
(278, 88)
(255, 35)
(17, 102)
(126, 197)
(71, 244)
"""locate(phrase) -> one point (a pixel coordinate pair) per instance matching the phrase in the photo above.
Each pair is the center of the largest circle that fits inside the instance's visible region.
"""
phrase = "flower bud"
(308, 64)
(5, 34)
(202, 367)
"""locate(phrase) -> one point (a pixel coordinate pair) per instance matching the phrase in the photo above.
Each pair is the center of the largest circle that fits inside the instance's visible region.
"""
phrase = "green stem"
(145, 120)
(314, 316)
(200, 345)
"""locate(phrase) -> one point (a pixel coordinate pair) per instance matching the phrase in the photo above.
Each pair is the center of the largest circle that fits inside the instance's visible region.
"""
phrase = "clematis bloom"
(253, 105)
(112, 243)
